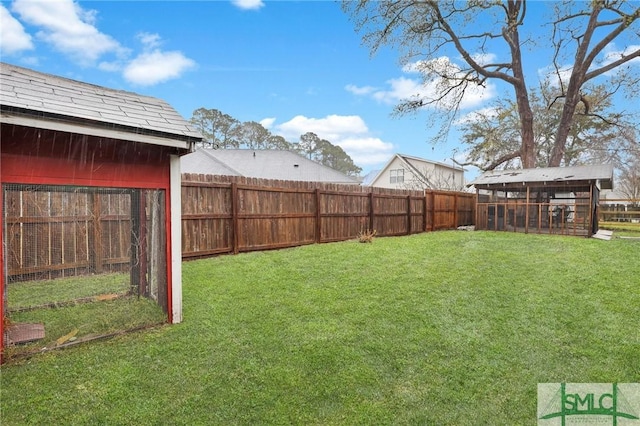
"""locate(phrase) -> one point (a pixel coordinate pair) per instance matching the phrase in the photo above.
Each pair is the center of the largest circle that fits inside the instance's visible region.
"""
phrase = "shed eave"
(186, 145)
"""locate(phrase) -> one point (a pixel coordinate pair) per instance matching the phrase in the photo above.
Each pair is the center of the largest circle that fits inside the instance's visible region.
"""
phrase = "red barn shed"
(91, 185)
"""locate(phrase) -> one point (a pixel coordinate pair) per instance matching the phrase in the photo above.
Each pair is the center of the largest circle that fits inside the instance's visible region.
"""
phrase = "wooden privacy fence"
(223, 214)
(619, 210)
(53, 231)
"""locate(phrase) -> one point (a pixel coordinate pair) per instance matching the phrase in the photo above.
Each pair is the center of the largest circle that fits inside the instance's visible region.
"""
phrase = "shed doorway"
(80, 263)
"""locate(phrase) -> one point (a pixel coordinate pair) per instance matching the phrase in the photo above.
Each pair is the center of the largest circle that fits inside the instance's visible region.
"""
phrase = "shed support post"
(174, 281)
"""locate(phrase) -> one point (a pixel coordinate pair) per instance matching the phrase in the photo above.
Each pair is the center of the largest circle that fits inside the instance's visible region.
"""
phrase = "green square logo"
(561, 404)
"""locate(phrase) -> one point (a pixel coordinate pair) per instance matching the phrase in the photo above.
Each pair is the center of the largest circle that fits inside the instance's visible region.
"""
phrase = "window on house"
(397, 175)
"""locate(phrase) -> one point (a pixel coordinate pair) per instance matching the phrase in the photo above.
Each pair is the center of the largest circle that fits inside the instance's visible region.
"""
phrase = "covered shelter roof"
(600, 175)
(34, 99)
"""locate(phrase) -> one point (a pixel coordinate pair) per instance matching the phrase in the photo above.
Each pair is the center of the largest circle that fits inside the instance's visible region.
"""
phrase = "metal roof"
(264, 164)
(28, 97)
(603, 173)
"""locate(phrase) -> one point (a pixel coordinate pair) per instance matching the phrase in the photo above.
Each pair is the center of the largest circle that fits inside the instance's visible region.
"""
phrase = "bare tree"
(628, 165)
(425, 29)
(597, 137)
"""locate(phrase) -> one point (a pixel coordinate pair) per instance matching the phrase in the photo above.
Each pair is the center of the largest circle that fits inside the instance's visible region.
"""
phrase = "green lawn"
(69, 305)
(440, 328)
(33, 293)
(627, 229)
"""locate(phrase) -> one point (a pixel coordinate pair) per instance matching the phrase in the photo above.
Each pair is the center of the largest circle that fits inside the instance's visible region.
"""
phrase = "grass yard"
(68, 307)
(626, 229)
(441, 328)
(33, 293)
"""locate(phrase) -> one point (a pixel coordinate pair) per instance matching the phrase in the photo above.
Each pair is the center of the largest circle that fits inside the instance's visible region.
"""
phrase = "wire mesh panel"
(81, 262)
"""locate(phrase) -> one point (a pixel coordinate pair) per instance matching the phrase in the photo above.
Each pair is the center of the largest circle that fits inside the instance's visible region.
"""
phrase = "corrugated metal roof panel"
(601, 172)
(27, 89)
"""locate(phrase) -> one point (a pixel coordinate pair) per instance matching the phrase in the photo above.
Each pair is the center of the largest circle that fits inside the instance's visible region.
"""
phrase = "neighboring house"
(263, 164)
(407, 172)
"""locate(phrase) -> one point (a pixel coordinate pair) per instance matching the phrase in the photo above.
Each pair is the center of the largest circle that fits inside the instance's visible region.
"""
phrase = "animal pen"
(89, 211)
(562, 201)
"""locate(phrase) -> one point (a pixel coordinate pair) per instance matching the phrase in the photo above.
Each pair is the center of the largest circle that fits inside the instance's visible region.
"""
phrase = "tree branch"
(492, 165)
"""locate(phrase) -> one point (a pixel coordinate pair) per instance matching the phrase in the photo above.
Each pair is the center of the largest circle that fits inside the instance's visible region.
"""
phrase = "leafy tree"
(217, 128)
(334, 156)
(308, 144)
(222, 131)
(581, 33)
(252, 135)
(324, 152)
(278, 142)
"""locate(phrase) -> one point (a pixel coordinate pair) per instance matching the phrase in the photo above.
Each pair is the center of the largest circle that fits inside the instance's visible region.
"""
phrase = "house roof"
(577, 175)
(35, 99)
(264, 164)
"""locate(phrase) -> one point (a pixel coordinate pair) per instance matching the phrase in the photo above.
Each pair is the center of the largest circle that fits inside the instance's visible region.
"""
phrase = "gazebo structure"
(554, 200)
(91, 186)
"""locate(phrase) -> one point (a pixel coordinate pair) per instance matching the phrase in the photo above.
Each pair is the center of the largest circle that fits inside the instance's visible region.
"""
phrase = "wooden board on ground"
(603, 234)
(24, 333)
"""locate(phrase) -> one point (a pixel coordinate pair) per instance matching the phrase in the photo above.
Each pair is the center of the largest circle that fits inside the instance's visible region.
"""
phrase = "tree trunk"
(527, 151)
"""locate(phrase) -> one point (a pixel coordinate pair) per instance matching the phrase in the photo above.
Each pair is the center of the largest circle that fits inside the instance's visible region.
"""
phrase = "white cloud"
(484, 58)
(350, 132)
(400, 88)
(154, 67)
(267, 122)
(554, 77)
(364, 90)
(367, 151)
(13, 37)
(428, 86)
(328, 127)
(613, 53)
(248, 4)
(68, 28)
(477, 115)
(150, 41)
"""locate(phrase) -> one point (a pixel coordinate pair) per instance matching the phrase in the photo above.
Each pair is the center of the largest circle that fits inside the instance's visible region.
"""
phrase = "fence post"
(408, 214)
(432, 199)
(318, 232)
(95, 241)
(455, 211)
(424, 212)
(234, 217)
(371, 211)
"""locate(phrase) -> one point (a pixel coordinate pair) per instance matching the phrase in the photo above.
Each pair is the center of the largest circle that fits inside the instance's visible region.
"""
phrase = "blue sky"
(293, 66)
